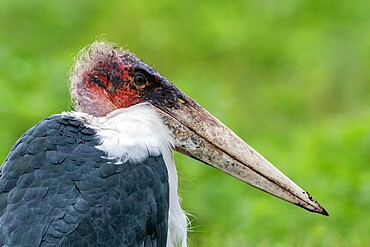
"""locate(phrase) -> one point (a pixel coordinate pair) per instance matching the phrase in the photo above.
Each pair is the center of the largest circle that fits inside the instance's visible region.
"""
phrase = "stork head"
(106, 78)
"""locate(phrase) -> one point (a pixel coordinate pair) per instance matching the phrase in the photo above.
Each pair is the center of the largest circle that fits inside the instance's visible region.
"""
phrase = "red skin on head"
(114, 79)
(109, 87)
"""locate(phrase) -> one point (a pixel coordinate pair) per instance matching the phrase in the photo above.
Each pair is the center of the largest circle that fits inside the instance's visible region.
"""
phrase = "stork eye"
(139, 79)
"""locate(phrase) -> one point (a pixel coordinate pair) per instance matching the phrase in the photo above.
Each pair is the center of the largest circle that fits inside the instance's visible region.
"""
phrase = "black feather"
(57, 190)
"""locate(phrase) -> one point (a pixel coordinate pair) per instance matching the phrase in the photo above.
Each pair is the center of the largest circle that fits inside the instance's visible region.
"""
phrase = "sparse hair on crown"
(86, 59)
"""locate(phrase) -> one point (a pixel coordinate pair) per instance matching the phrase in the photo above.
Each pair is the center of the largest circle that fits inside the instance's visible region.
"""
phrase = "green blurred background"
(292, 78)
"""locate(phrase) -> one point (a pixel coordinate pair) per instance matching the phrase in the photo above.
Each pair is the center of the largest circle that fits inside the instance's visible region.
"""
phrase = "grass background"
(292, 78)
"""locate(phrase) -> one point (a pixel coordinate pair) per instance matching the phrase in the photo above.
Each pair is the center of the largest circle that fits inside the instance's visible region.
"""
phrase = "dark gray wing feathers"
(56, 189)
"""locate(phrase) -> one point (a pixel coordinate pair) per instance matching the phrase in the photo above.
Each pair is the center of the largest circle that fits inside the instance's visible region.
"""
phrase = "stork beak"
(201, 136)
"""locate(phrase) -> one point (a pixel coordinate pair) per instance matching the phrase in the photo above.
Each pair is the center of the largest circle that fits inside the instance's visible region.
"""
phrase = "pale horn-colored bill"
(200, 135)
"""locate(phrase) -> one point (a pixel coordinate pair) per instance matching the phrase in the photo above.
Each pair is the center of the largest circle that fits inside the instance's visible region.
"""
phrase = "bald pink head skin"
(106, 78)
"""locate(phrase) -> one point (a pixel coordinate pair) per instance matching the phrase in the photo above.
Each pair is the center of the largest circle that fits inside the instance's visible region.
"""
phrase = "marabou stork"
(104, 175)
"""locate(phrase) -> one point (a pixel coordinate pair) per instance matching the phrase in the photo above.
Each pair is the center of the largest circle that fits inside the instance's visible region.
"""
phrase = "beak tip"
(317, 209)
(314, 206)
(321, 210)
(325, 213)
